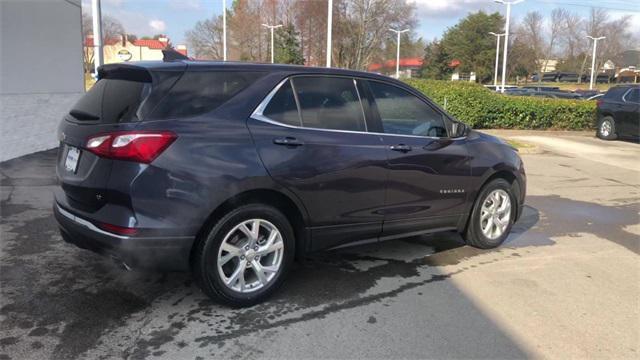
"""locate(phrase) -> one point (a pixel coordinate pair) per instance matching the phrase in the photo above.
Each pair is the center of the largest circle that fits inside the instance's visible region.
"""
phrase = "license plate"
(71, 163)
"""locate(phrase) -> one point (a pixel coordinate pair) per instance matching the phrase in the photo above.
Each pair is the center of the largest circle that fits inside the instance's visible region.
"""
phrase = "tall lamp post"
(329, 25)
(271, 27)
(495, 73)
(224, 30)
(96, 14)
(593, 58)
(398, 32)
(506, 39)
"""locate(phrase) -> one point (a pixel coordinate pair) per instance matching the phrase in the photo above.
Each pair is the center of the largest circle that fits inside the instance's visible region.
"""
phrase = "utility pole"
(98, 58)
(272, 27)
(506, 39)
(224, 30)
(495, 74)
(398, 32)
(593, 58)
(329, 26)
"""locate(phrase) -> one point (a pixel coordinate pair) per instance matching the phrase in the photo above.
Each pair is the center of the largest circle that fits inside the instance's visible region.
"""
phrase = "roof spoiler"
(172, 55)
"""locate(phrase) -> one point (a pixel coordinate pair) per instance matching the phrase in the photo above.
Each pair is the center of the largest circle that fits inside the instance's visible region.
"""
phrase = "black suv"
(619, 113)
(233, 170)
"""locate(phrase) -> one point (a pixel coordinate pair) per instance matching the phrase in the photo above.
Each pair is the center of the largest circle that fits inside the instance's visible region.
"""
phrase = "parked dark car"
(619, 113)
(233, 170)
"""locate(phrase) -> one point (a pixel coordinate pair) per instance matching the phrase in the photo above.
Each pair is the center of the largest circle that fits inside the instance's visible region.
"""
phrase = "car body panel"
(347, 186)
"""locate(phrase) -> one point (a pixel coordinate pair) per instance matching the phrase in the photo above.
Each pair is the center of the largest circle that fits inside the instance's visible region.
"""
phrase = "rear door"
(312, 136)
(428, 170)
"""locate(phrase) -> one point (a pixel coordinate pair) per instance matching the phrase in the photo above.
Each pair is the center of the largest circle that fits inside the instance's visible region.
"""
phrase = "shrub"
(482, 108)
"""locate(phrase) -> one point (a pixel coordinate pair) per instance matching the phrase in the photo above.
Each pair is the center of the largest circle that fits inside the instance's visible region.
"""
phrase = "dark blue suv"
(233, 170)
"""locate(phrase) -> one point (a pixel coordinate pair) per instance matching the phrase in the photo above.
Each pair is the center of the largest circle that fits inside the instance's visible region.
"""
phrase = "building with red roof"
(408, 66)
(121, 49)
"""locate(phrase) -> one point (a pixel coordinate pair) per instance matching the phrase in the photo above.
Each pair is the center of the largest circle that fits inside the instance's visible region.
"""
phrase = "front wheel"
(492, 216)
(244, 258)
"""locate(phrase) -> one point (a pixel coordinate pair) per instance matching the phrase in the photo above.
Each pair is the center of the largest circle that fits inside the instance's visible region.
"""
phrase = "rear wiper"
(81, 115)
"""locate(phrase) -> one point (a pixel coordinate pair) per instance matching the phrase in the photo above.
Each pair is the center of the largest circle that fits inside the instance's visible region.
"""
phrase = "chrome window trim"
(258, 113)
(624, 97)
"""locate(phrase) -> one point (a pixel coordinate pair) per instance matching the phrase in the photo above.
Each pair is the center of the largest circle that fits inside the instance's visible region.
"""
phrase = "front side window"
(329, 103)
(403, 113)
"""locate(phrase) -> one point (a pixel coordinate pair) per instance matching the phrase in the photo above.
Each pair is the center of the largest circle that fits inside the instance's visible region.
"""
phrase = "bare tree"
(205, 39)
(531, 31)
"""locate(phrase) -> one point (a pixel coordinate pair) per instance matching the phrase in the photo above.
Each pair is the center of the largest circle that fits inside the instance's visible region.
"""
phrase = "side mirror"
(458, 129)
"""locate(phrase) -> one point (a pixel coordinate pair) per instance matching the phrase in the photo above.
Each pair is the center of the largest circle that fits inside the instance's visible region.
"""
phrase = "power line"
(588, 6)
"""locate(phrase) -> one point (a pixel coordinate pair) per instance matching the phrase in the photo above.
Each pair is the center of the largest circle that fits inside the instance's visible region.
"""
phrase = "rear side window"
(615, 93)
(633, 96)
(199, 92)
(405, 114)
(329, 103)
(282, 106)
(111, 101)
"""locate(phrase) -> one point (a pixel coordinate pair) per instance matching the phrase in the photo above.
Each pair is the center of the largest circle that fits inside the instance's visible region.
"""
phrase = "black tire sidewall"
(475, 237)
(206, 262)
(612, 135)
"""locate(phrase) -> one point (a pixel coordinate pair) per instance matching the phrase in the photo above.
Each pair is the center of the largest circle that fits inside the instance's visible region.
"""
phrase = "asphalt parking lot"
(566, 284)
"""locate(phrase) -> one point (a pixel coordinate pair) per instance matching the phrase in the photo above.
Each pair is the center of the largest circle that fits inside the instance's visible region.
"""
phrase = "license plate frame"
(72, 159)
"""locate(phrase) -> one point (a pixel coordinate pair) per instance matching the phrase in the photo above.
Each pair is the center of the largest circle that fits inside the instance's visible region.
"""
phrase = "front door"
(428, 170)
(312, 139)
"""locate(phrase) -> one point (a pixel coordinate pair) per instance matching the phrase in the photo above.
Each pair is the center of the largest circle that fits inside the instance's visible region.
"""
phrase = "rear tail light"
(138, 146)
(599, 102)
(120, 230)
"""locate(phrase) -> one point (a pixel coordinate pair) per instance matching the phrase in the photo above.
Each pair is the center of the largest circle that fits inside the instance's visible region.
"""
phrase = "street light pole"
(271, 27)
(96, 12)
(593, 58)
(506, 39)
(224, 30)
(398, 32)
(495, 74)
(329, 25)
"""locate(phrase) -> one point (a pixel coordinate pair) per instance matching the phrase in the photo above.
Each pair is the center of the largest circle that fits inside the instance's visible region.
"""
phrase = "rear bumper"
(162, 253)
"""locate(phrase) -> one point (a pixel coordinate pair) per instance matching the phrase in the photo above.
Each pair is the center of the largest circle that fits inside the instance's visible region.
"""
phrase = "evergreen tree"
(287, 47)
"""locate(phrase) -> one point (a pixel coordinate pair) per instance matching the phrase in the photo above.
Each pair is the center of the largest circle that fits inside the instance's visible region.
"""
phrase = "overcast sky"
(174, 17)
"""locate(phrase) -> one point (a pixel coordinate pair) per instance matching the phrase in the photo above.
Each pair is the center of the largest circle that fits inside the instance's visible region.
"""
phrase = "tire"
(607, 128)
(480, 233)
(221, 273)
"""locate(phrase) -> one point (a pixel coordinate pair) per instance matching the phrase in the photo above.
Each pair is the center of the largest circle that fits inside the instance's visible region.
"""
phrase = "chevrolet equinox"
(233, 170)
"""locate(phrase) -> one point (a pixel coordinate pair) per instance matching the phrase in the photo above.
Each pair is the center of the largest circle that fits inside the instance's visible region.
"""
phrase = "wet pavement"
(565, 284)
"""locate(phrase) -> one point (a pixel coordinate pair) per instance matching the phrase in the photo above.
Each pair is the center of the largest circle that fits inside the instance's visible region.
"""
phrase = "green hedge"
(481, 108)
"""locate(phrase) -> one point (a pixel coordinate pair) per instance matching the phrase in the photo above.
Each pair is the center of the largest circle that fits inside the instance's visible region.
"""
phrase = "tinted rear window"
(282, 107)
(200, 92)
(111, 101)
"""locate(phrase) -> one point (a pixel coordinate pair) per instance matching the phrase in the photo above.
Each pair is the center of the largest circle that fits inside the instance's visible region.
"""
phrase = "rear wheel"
(244, 258)
(492, 216)
(607, 128)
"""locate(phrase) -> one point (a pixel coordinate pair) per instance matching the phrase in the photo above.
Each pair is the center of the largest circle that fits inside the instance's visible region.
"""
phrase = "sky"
(175, 17)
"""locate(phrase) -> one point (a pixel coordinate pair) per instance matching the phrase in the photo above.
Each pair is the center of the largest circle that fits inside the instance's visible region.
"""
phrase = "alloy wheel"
(495, 214)
(605, 128)
(250, 255)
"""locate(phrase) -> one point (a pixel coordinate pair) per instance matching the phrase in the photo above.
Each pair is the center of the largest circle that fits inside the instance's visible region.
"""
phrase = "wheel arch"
(294, 212)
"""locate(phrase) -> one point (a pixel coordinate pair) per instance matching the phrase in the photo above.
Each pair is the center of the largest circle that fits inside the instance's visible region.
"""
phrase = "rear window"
(111, 101)
(200, 92)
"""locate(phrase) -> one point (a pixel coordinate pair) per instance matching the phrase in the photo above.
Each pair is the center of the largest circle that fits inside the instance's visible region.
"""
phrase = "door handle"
(400, 147)
(288, 141)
